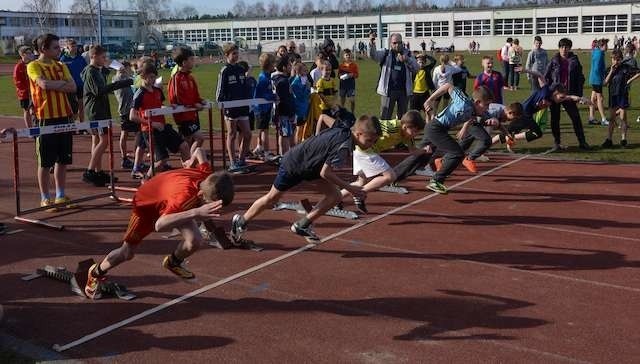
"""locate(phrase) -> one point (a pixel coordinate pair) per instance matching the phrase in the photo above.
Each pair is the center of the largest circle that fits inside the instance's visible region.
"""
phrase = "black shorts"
(417, 101)
(165, 141)
(263, 119)
(347, 92)
(25, 104)
(284, 181)
(597, 88)
(522, 123)
(54, 148)
(129, 126)
(188, 128)
(619, 102)
(252, 121)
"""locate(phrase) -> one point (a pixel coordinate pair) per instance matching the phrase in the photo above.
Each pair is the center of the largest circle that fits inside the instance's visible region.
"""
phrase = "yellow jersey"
(390, 137)
(329, 90)
(49, 104)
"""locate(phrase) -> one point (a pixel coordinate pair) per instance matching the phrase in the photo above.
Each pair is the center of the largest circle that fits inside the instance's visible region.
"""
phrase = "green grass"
(369, 102)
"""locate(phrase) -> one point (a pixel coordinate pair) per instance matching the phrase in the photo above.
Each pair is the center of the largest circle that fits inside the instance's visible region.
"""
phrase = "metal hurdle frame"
(55, 129)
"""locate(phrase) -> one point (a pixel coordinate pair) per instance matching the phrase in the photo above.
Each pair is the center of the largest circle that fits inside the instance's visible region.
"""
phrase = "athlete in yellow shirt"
(327, 88)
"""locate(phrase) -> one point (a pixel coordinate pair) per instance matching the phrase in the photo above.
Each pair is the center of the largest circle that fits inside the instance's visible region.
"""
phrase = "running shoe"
(238, 227)
(306, 233)
(438, 187)
(137, 174)
(92, 289)
(126, 163)
(93, 178)
(178, 270)
(594, 122)
(64, 200)
(470, 165)
(426, 171)
(584, 146)
(607, 143)
(438, 163)
(604, 122)
(482, 158)
(624, 143)
(360, 205)
(48, 202)
(558, 147)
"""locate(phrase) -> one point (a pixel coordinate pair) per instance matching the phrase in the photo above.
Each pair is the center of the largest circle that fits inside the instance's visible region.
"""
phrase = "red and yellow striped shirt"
(49, 104)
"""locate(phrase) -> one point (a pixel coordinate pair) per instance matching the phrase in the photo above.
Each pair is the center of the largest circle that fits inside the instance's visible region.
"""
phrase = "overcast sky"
(203, 6)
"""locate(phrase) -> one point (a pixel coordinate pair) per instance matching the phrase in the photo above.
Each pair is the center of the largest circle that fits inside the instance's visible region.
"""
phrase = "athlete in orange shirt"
(174, 199)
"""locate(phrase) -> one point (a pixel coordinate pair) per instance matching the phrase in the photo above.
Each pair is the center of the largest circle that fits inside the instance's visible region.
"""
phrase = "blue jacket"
(76, 65)
(264, 90)
(301, 94)
(597, 75)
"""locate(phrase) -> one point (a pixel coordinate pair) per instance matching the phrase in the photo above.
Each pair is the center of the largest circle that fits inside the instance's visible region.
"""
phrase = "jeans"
(394, 98)
(574, 115)
(514, 77)
(438, 136)
(482, 139)
(506, 69)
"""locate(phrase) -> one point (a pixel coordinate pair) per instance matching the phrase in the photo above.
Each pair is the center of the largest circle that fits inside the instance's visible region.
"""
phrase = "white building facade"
(488, 27)
(118, 27)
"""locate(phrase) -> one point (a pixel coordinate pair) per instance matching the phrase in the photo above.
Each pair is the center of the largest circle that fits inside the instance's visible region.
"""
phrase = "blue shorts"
(286, 125)
(284, 181)
(619, 101)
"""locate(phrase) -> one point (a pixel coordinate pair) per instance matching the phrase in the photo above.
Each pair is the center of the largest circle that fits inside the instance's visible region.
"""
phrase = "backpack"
(499, 55)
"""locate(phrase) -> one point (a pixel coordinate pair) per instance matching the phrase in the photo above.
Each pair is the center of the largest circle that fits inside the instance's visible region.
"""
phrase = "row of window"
(461, 28)
(68, 22)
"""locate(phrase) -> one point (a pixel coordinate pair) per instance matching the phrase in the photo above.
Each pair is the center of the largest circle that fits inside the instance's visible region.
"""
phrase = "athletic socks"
(44, 196)
(59, 192)
(97, 272)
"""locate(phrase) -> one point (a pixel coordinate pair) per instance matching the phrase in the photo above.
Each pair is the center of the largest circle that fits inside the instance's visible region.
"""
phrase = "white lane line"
(535, 226)
(557, 198)
(492, 265)
(246, 272)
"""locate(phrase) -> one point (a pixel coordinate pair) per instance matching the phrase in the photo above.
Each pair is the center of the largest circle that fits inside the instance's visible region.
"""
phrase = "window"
(197, 35)
(357, 31)
(408, 30)
(557, 25)
(246, 33)
(300, 32)
(469, 28)
(518, 26)
(173, 35)
(605, 24)
(272, 33)
(432, 29)
(332, 31)
(220, 35)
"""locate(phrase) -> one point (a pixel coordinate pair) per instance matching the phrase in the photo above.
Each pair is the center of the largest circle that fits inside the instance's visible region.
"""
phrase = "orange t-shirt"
(170, 192)
(349, 68)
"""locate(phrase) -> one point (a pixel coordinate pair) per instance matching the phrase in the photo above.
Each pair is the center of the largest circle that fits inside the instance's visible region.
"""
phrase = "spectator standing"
(565, 69)
(537, 61)
(504, 57)
(21, 81)
(395, 85)
(76, 63)
(596, 79)
(515, 61)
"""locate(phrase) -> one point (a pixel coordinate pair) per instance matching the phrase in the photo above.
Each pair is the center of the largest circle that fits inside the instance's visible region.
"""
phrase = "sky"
(203, 6)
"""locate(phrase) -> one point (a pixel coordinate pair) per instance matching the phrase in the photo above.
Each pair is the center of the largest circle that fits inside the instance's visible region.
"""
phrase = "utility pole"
(100, 22)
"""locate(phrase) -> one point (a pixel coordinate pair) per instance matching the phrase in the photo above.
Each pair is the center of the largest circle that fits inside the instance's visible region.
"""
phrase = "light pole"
(100, 22)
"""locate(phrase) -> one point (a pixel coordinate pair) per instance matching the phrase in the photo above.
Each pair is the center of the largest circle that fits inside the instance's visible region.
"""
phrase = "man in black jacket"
(565, 68)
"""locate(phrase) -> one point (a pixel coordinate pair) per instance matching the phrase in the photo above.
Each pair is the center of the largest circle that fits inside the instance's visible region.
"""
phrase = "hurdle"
(55, 129)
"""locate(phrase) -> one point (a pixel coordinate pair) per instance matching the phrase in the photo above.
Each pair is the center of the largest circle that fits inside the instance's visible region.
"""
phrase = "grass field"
(369, 102)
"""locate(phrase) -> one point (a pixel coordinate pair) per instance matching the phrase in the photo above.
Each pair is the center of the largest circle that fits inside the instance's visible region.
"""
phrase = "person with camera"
(395, 85)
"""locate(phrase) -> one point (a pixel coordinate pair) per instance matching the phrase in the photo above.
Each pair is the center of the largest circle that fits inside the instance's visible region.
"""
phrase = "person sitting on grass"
(176, 199)
(315, 159)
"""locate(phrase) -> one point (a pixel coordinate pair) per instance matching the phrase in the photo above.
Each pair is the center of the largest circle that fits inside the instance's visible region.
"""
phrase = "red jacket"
(183, 90)
(21, 80)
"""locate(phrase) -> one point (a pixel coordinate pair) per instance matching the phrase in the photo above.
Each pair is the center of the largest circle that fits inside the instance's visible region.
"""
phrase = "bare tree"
(150, 12)
(43, 10)
(295, 9)
(273, 9)
(187, 12)
(84, 14)
(240, 8)
(307, 8)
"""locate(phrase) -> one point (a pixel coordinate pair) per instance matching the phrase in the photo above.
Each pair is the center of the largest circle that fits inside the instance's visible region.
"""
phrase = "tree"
(43, 10)
(273, 9)
(186, 12)
(240, 8)
(307, 7)
(150, 13)
(85, 13)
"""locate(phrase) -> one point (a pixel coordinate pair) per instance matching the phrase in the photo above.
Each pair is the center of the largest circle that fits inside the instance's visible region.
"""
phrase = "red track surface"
(535, 262)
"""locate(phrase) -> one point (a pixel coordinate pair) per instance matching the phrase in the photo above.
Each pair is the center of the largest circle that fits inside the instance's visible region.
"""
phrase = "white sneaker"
(426, 171)
(482, 158)
(558, 147)
(604, 122)
(638, 119)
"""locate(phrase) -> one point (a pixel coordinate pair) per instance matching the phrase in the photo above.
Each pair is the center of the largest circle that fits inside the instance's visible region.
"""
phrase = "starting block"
(394, 189)
(218, 238)
(305, 206)
(78, 280)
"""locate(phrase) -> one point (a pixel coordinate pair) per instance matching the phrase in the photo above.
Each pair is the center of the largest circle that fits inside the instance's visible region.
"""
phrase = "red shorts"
(139, 227)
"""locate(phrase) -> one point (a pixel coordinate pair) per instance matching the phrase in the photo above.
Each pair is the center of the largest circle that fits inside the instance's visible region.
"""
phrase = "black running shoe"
(360, 205)
(307, 233)
(607, 143)
(238, 226)
(93, 178)
(623, 143)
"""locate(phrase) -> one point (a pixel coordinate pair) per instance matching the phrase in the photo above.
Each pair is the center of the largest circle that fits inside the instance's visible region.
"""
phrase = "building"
(489, 27)
(118, 27)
